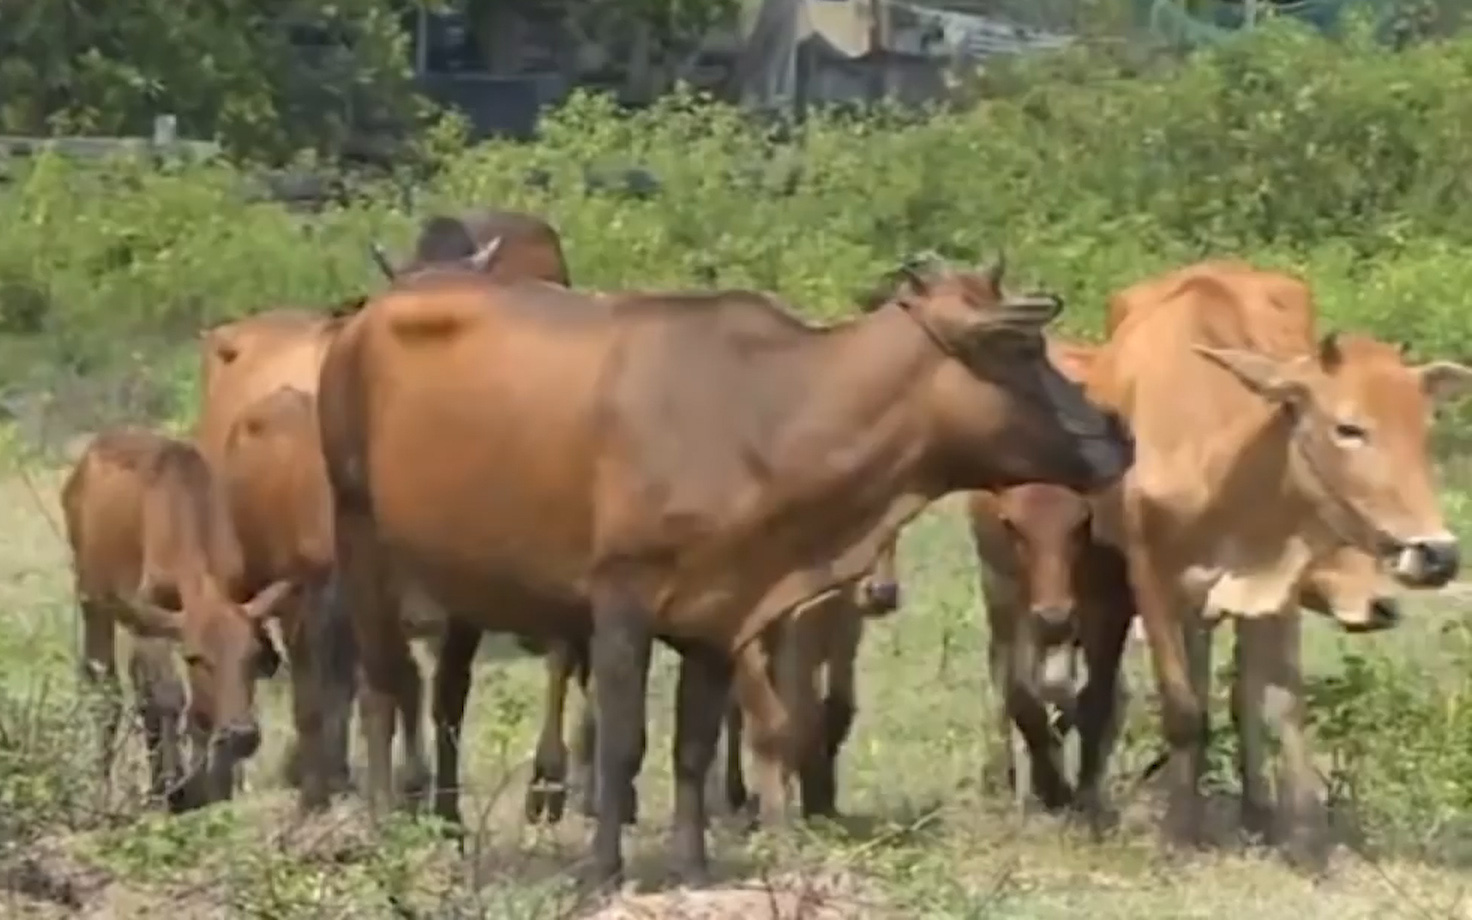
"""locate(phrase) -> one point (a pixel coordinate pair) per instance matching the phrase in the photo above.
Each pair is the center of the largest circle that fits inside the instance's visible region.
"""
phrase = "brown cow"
(1334, 434)
(687, 465)
(152, 549)
(1037, 555)
(260, 378)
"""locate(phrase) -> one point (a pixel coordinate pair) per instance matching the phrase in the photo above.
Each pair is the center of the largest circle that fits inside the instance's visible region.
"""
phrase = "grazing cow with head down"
(691, 466)
(152, 549)
(1261, 451)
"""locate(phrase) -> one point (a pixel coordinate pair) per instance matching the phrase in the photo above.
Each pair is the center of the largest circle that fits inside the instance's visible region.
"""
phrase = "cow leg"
(771, 735)
(382, 646)
(1029, 716)
(305, 760)
(702, 695)
(820, 780)
(1274, 655)
(799, 661)
(622, 641)
(1101, 707)
(160, 697)
(1002, 608)
(1248, 710)
(546, 794)
(585, 775)
(1183, 713)
(415, 779)
(737, 796)
(451, 687)
(725, 788)
(100, 673)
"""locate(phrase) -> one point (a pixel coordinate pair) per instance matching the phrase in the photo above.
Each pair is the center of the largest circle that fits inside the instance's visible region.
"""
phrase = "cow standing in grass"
(691, 466)
(1263, 447)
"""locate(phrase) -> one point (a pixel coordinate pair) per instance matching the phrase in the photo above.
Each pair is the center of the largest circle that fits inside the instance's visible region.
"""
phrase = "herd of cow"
(482, 447)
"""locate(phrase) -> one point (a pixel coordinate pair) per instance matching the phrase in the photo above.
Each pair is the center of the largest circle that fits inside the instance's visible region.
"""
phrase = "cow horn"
(266, 602)
(381, 259)
(996, 269)
(483, 257)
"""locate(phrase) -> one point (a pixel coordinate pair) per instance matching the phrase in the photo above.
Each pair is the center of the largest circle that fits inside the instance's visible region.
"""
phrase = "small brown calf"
(833, 637)
(153, 549)
(1041, 568)
(831, 631)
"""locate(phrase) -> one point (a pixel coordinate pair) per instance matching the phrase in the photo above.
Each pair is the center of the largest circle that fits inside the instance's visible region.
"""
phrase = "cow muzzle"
(881, 596)
(241, 738)
(1428, 562)
(1383, 613)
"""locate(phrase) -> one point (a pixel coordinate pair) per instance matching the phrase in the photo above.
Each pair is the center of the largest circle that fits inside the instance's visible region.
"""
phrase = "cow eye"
(1350, 432)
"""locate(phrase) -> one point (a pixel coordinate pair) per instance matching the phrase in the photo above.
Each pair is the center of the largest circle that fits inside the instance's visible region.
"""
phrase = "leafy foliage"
(267, 79)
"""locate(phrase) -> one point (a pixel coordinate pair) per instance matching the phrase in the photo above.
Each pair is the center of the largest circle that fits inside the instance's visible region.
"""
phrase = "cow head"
(1359, 419)
(1001, 413)
(1351, 587)
(221, 643)
(1048, 529)
(478, 260)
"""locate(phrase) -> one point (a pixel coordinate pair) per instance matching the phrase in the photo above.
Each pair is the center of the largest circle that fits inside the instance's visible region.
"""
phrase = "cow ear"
(268, 601)
(152, 621)
(1259, 373)
(1444, 381)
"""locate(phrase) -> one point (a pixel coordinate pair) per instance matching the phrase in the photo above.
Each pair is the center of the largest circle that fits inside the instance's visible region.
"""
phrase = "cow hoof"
(597, 882)
(694, 875)
(1257, 821)
(413, 787)
(1097, 817)
(1307, 853)
(545, 800)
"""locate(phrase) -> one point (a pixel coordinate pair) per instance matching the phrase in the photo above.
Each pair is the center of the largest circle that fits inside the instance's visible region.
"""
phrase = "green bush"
(1341, 160)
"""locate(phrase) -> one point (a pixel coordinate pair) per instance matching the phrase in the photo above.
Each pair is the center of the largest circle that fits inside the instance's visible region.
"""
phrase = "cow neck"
(863, 448)
(1261, 438)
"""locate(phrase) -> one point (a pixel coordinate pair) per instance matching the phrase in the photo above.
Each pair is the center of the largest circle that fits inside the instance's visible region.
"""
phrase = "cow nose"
(884, 596)
(242, 738)
(1430, 563)
(1054, 625)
